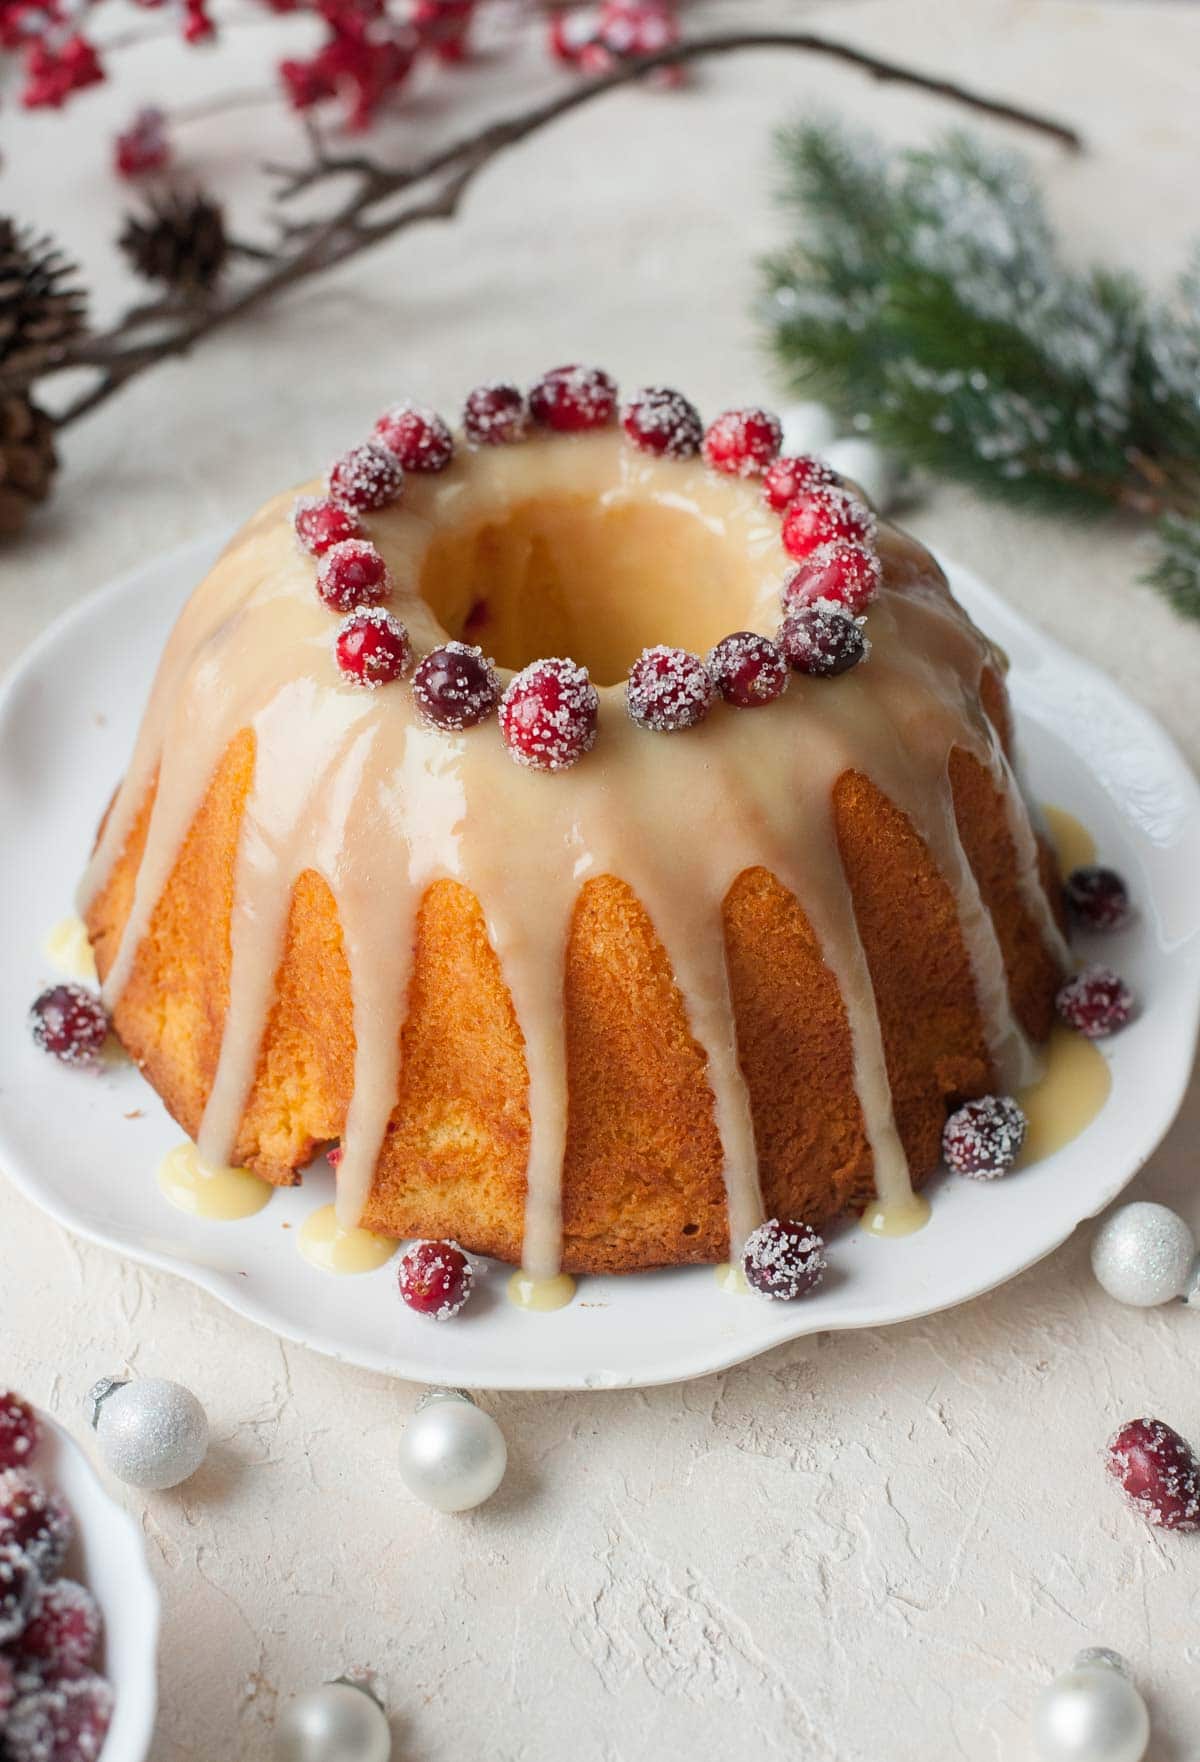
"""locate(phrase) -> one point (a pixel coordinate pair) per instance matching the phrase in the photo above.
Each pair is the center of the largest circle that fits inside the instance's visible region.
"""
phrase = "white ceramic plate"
(67, 722)
(109, 1557)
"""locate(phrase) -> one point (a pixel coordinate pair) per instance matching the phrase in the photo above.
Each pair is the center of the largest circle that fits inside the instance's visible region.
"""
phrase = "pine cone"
(41, 307)
(180, 240)
(27, 460)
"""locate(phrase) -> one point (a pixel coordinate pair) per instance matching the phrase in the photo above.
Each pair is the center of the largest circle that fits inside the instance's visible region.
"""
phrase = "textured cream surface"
(866, 1548)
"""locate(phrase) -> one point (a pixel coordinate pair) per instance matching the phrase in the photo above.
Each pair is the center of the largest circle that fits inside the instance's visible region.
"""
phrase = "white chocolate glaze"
(217, 1193)
(323, 1241)
(526, 1292)
(1074, 846)
(1067, 1096)
(68, 947)
(348, 783)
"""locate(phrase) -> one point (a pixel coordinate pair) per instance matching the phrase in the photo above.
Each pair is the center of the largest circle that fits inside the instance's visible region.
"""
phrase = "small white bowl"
(108, 1556)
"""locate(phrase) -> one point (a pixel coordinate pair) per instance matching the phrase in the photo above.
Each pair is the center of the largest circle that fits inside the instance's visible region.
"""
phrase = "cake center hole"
(572, 575)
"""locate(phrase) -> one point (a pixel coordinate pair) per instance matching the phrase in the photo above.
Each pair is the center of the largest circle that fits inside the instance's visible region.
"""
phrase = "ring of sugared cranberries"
(747, 669)
(494, 415)
(417, 436)
(668, 689)
(1097, 898)
(65, 1629)
(823, 640)
(69, 1022)
(367, 477)
(783, 1259)
(64, 1722)
(320, 524)
(436, 1278)
(849, 575)
(455, 686)
(983, 1138)
(20, 1432)
(34, 1520)
(661, 421)
(548, 714)
(353, 574)
(373, 648)
(793, 475)
(573, 399)
(1095, 1002)
(742, 443)
(826, 516)
(20, 1588)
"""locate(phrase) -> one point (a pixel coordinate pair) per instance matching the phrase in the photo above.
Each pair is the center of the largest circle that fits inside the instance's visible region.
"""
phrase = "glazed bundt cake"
(710, 950)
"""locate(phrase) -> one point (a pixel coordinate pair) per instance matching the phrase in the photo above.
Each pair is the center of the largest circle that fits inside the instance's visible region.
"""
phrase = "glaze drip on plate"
(351, 786)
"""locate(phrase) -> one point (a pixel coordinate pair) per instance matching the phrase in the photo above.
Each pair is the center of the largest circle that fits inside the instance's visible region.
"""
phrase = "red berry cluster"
(53, 1705)
(597, 39)
(368, 54)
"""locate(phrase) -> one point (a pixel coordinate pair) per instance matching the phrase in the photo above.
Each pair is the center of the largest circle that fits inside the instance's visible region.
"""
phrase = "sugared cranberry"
(455, 686)
(662, 421)
(20, 1588)
(320, 524)
(794, 475)
(1158, 1472)
(418, 437)
(436, 1278)
(20, 1432)
(571, 399)
(495, 414)
(65, 1630)
(748, 669)
(826, 516)
(783, 1259)
(67, 1722)
(34, 1520)
(1095, 1002)
(668, 689)
(548, 715)
(368, 476)
(848, 574)
(1098, 898)
(742, 443)
(983, 1138)
(372, 648)
(823, 640)
(71, 1023)
(353, 574)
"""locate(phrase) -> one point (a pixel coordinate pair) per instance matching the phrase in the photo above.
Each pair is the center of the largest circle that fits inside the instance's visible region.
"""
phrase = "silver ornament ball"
(1091, 1713)
(1143, 1253)
(867, 465)
(452, 1454)
(339, 1722)
(152, 1433)
(1191, 1291)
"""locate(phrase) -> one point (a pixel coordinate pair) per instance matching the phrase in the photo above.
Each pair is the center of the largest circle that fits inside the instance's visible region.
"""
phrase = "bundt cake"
(710, 950)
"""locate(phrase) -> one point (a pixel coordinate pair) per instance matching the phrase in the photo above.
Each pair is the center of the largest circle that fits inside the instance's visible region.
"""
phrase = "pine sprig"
(925, 299)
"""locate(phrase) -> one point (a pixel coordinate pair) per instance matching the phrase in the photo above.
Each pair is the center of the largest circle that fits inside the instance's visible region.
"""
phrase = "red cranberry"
(742, 443)
(67, 1722)
(984, 1138)
(372, 648)
(661, 421)
(71, 1023)
(34, 1520)
(20, 1588)
(321, 524)
(20, 1433)
(548, 715)
(1095, 1002)
(353, 574)
(456, 686)
(368, 476)
(794, 475)
(783, 1259)
(1098, 899)
(668, 689)
(824, 517)
(1158, 1472)
(418, 437)
(144, 146)
(823, 640)
(568, 34)
(748, 669)
(571, 399)
(65, 1631)
(436, 1278)
(495, 414)
(848, 574)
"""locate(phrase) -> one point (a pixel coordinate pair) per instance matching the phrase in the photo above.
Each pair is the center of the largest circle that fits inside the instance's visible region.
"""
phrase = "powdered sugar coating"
(668, 689)
(983, 1138)
(34, 1519)
(368, 476)
(20, 1432)
(823, 640)
(353, 574)
(548, 714)
(417, 435)
(824, 516)
(373, 648)
(663, 422)
(436, 1278)
(319, 524)
(20, 1588)
(495, 414)
(573, 399)
(66, 1722)
(748, 669)
(1095, 1002)
(742, 443)
(1097, 898)
(455, 686)
(848, 574)
(783, 1259)
(794, 475)
(65, 1629)
(1158, 1472)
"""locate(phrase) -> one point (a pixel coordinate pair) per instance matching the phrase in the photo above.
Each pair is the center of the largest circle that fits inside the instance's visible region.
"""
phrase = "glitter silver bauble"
(807, 428)
(1092, 1713)
(1143, 1254)
(152, 1433)
(874, 471)
(1191, 1291)
(452, 1454)
(339, 1722)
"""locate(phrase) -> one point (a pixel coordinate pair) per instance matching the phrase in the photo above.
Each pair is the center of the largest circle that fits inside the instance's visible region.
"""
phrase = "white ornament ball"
(1143, 1254)
(1092, 1713)
(338, 1722)
(452, 1454)
(152, 1433)
(808, 428)
(875, 471)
